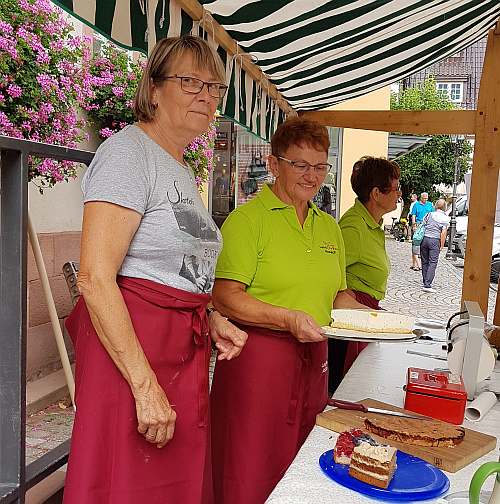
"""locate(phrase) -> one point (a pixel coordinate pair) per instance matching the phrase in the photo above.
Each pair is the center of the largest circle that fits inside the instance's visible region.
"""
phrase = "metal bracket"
(473, 345)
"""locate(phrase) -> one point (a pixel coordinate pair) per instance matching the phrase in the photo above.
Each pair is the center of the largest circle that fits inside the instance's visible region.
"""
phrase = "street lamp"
(450, 254)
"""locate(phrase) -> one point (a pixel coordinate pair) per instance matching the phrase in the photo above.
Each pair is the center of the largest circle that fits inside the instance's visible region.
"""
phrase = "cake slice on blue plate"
(373, 464)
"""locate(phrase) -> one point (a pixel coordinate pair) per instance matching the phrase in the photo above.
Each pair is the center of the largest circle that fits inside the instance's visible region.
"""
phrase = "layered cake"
(374, 465)
(415, 431)
(346, 442)
(372, 321)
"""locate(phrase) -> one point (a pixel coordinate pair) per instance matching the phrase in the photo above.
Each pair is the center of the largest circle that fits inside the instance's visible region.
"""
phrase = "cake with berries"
(346, 442)
(373, 464)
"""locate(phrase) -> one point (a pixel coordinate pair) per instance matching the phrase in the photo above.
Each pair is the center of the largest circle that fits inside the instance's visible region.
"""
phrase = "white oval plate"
(349, 335)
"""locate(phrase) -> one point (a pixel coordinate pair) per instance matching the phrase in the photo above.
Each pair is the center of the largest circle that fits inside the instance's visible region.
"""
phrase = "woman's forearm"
(443, 237)
(111, 320)
(345, 300)
(239, 306)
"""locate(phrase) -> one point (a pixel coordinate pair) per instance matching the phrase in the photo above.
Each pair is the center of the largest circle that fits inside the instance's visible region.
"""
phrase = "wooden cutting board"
(474, 445)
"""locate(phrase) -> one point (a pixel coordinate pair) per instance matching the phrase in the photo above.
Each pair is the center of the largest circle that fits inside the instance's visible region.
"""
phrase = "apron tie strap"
(201, 357)
(302, 362)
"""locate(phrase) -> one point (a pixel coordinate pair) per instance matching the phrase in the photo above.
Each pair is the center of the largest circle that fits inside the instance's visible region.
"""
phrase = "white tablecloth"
(378, 373)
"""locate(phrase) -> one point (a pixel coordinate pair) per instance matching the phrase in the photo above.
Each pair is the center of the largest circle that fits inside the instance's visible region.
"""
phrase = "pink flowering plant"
(115, 78)
(199, 154)
(42, 81)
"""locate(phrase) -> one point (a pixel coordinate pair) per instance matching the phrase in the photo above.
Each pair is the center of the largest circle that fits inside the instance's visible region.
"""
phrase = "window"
(453, 90)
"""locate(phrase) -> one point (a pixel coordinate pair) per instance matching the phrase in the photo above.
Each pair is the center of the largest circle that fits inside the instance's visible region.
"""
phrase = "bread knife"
(347, 405)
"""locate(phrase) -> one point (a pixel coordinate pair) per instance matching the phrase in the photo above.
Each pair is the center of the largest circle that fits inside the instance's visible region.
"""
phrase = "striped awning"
(318, 53)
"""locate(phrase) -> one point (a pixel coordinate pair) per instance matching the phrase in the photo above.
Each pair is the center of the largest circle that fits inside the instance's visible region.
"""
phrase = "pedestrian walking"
(413, 200)
(436, 227)
(419, 210)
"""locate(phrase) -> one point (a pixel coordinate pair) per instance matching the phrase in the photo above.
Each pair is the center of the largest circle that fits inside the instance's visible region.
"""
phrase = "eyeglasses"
(303, 166)
(391, 189)
(194, 86)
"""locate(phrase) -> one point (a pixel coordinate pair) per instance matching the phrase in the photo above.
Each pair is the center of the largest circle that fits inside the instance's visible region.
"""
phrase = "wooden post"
(484, 182)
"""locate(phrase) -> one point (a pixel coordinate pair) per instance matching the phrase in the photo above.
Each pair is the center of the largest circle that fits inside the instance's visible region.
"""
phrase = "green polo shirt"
(367, 262)
(280, 262)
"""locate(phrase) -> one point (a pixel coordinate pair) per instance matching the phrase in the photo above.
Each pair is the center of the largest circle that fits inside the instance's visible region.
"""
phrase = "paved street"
(404, 295)
(404, 291)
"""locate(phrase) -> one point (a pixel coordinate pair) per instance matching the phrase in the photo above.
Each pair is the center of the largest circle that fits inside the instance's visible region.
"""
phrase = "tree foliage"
(424, 96)
(433, 163)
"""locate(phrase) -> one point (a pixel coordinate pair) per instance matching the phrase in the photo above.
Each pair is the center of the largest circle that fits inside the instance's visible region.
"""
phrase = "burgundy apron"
(354, 348)
(110, 462)
(263, 406)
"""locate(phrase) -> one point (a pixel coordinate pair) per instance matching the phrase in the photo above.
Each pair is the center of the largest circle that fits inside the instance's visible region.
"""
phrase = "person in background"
(281, 270)
(436, 227)
(415, 262)
(323, 199)
(376, 184)
(140, 328)
(419, 211)
(413, 200)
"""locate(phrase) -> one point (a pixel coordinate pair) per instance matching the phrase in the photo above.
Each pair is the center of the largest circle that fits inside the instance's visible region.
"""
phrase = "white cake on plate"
(372, 321)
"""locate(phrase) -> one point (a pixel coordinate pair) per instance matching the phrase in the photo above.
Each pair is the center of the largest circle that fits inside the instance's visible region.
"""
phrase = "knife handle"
(347, 405)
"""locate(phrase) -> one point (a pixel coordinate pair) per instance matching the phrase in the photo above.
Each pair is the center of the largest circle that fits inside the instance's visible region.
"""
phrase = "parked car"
(460, 216)
(459, 245)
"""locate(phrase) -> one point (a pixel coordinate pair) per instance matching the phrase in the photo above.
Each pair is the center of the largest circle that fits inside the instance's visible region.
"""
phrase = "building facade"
(458, 75)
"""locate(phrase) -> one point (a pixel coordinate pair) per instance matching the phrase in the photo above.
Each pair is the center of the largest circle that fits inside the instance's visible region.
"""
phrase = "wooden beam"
(425, 122)
(484, 180)
(196, 11)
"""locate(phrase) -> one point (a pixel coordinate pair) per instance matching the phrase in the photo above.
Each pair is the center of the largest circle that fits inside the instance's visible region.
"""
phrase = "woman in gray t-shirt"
(436, 226)
(140, 328)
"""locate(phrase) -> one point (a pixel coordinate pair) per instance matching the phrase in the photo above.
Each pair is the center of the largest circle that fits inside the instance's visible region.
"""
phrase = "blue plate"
(414, 479)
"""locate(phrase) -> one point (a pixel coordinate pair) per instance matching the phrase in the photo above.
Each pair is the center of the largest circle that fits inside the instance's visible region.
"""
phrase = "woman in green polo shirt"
(376, 184)
(281, 269)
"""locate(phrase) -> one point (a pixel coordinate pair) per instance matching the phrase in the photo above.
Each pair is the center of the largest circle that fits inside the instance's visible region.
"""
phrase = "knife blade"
(348, 405)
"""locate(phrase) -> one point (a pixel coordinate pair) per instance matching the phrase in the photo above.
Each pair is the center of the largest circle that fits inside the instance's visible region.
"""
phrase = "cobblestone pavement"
(47, 429)
(404, 290)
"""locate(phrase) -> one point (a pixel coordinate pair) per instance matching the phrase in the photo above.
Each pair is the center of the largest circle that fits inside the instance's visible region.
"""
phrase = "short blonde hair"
(164, 54)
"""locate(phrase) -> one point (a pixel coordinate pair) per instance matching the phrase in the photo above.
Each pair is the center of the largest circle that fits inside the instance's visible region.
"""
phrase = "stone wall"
(57, 248)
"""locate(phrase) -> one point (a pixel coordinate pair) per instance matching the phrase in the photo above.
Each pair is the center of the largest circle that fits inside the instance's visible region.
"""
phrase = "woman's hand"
(303, 327)
(155, 416)
(229, 339)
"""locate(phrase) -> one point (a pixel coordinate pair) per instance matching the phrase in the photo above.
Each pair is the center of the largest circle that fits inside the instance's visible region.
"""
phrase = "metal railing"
(15, 477)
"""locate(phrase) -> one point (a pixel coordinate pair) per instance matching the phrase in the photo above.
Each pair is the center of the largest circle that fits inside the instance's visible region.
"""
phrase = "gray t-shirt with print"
(177, 242)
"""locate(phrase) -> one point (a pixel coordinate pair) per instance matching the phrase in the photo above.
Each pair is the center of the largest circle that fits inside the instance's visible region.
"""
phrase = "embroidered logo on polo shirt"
(329, 247)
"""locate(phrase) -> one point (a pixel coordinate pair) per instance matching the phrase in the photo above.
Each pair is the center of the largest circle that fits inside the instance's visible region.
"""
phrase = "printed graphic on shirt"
(202, 239)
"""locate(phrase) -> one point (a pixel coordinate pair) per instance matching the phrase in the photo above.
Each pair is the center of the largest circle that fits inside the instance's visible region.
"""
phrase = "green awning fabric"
(318, 53)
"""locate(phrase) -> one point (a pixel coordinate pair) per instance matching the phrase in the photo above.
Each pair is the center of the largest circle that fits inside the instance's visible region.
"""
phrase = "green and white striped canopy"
(317, 52)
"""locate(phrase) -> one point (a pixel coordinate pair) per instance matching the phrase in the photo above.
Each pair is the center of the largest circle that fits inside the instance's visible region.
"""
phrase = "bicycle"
(399, 229)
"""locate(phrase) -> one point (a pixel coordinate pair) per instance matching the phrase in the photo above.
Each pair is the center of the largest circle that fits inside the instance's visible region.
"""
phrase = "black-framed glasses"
(391, 189)
(193, 85)
(303, 166)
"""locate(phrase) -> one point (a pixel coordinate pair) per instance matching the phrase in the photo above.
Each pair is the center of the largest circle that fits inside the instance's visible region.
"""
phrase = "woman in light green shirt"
(376, 184)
